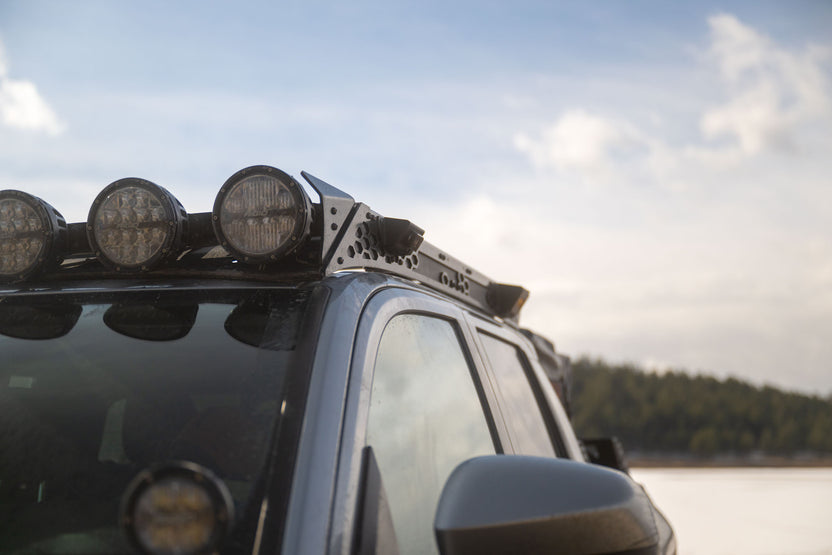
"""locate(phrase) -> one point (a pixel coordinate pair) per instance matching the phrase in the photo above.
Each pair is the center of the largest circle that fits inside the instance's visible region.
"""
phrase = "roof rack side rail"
(356, 237)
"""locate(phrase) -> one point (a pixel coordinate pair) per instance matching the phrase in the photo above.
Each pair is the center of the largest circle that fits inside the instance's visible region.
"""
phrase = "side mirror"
(606, 451)
(503, 504)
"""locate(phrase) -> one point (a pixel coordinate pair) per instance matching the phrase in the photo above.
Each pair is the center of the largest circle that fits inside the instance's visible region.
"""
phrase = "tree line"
(676, 413)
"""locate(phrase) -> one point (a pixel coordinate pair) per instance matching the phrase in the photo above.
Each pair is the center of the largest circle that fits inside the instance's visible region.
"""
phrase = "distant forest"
(675, 413)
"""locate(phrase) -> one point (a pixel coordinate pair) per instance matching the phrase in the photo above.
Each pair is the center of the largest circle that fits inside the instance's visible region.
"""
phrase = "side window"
(520, 405)
(425, 418)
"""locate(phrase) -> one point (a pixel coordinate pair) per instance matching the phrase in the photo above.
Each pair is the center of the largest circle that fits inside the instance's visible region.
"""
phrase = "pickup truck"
(281, 375)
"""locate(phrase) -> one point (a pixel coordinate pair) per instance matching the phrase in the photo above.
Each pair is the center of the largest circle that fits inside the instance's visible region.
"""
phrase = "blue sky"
(656, 173)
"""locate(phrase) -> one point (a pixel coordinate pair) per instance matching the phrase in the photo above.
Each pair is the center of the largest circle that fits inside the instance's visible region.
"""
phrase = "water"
(745, 511)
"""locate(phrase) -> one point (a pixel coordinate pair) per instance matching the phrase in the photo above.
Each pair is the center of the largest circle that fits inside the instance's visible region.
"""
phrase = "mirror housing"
(501, 504)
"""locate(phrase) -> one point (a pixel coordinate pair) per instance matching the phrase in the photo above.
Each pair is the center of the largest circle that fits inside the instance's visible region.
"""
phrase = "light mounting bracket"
(356, 237)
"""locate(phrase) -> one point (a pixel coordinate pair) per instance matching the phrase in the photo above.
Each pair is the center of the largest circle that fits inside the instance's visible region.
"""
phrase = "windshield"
(96, 387)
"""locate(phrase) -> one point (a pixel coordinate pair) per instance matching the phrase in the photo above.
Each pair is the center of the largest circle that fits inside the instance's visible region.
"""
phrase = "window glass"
(425, 418)
(96, 387)
(529, 432)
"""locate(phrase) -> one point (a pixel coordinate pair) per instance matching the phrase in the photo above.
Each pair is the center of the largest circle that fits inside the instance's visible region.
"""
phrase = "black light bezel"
(175, 214)
(303, 221)
(51, 255)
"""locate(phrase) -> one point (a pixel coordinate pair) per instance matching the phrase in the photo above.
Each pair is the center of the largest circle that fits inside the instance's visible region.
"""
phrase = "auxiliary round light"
(261, 214)
(134, 225)
(177, 509)
(31, 235)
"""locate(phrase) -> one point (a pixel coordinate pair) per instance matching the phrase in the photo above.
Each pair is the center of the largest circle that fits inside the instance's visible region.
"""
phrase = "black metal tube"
(200, 232)
(77, 244)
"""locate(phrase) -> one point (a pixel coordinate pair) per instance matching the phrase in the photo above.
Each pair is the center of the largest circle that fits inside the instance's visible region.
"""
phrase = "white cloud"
(774, 97)
(773, 91)
(22, 106)
(752, 118)
(737, 47)
(705, 247)
(578, 141)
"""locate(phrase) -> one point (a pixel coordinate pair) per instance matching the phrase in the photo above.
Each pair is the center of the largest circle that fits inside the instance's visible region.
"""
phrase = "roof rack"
(317, 239)
(354, 236)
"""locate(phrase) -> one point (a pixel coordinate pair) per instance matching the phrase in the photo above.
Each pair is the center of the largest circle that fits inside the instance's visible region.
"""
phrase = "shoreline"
(728, 462)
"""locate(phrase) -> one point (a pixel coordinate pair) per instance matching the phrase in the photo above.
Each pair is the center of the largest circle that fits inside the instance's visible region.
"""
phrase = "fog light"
(177, 509)
(32, 234)
(135, 225)
(261, 214)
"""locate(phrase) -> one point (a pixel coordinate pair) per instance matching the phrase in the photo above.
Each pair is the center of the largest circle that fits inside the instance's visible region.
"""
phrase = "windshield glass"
(97, 387)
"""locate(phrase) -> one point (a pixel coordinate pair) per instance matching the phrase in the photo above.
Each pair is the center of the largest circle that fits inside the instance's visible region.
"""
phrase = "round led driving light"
(177, 509)
(261, 214)
(32, 234)
(135, 225)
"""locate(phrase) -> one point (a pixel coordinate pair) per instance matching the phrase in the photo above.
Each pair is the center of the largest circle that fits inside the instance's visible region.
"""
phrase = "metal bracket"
(360, 246)
(354, 238)
(337, 207)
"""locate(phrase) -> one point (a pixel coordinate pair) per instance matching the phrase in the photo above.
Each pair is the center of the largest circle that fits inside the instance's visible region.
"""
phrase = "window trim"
(543, 394)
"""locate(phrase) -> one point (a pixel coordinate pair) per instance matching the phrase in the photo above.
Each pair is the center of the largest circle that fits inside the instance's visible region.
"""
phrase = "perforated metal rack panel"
(357, 245)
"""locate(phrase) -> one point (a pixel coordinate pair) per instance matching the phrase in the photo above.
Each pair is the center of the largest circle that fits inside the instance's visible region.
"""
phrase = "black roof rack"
(354, 236)
(344, 235)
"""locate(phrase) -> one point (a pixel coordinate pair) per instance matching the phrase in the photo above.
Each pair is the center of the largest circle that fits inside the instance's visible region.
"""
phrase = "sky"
(658, 175)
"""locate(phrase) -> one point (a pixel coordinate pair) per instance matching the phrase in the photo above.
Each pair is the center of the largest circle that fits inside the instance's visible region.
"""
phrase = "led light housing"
(32, 235)
(177, 509)
(261, 214)
(506, 300)
(135, 225)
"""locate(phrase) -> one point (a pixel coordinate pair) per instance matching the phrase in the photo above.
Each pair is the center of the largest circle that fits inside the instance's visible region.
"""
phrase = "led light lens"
(134, 224)
(174, 516)
(261, 213)
(29, 232)
(178, 509)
